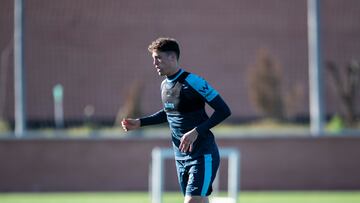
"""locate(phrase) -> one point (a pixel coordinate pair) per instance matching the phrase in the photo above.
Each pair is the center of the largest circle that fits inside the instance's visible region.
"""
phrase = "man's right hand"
(130, 124)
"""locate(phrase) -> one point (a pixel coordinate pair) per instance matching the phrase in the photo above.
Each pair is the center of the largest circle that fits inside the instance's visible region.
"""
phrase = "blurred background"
(255, 53)
(86, 66)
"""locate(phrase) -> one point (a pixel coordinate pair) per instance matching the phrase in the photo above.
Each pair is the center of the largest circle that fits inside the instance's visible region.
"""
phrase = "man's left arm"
(213, 98)
(221, 112)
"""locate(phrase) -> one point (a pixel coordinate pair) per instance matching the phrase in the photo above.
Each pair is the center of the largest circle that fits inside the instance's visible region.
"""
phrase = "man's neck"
(174, 74)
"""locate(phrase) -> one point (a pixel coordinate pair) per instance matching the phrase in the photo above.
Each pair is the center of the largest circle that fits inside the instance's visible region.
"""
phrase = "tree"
(347, 88)
(266, 89)
(265, 86)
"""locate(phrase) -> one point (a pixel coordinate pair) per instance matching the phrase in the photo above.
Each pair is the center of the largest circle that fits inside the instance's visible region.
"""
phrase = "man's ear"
(172, 56)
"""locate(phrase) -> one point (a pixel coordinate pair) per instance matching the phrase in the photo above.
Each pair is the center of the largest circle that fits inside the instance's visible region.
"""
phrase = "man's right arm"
(156, 118)
(133, 124)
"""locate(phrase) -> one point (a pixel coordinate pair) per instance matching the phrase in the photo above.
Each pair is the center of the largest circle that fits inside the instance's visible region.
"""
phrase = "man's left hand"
(187, 140)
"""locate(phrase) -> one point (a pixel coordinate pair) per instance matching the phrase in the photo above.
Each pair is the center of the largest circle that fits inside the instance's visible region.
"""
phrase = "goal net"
(157, 175)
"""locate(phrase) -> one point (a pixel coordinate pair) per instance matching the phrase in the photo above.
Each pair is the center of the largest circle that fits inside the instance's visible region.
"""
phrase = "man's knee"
(195, 199)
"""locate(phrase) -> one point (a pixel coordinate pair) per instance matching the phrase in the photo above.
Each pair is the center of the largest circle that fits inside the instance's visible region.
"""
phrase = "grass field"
(142, 197)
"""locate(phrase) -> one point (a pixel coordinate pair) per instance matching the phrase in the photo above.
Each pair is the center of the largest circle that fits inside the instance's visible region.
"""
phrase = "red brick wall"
(302, 163)
(96, 49)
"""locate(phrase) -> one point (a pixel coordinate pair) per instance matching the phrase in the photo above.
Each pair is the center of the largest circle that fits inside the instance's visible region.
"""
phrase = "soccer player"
(184, 96)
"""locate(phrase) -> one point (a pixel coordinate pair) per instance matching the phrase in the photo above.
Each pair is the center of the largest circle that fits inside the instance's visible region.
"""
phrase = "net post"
(156, 178)
(233, 176)
(216, 184)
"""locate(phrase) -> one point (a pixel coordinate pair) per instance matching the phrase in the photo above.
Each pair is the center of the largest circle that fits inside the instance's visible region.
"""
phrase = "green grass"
(142, 197)
(301, 197)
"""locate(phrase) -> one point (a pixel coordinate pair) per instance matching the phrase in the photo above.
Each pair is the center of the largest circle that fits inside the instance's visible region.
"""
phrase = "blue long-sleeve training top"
(184, 96)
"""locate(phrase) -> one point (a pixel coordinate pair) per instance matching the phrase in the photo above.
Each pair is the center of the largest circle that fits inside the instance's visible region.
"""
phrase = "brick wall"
(300, 163)
(97, 49)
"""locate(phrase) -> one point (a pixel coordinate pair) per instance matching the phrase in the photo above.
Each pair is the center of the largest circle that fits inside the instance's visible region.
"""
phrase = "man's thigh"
(196, 176)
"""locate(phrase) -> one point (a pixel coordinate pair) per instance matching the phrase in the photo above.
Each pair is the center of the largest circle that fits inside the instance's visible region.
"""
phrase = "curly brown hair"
(165, 44)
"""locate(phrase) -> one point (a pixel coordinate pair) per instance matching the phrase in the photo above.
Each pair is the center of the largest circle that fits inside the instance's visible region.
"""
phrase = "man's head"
(165, 53)
(167, 45)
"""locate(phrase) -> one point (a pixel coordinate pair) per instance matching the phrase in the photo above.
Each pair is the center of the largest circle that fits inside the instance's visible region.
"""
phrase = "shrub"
(266, 89)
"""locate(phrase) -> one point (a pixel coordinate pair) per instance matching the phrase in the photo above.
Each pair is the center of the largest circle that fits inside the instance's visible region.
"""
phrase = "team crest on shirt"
(169, 105)
(170, 95)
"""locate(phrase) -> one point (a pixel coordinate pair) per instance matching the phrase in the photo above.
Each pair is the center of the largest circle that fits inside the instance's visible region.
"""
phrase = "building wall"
(97, 49)
(298, 163)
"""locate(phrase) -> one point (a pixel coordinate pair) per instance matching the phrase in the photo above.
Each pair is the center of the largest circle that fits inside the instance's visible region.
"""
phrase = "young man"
(184, 96)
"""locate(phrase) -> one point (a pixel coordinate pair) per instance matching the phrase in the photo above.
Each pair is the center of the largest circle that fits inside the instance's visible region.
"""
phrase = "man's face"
(165, 63)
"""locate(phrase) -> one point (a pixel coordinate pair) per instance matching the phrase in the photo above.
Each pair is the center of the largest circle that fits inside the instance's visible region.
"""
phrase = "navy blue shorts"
(196, 176)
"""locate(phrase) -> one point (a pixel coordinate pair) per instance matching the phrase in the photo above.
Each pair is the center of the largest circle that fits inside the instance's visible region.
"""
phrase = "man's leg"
(196, 199)
(182, 175)
(202, 173)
